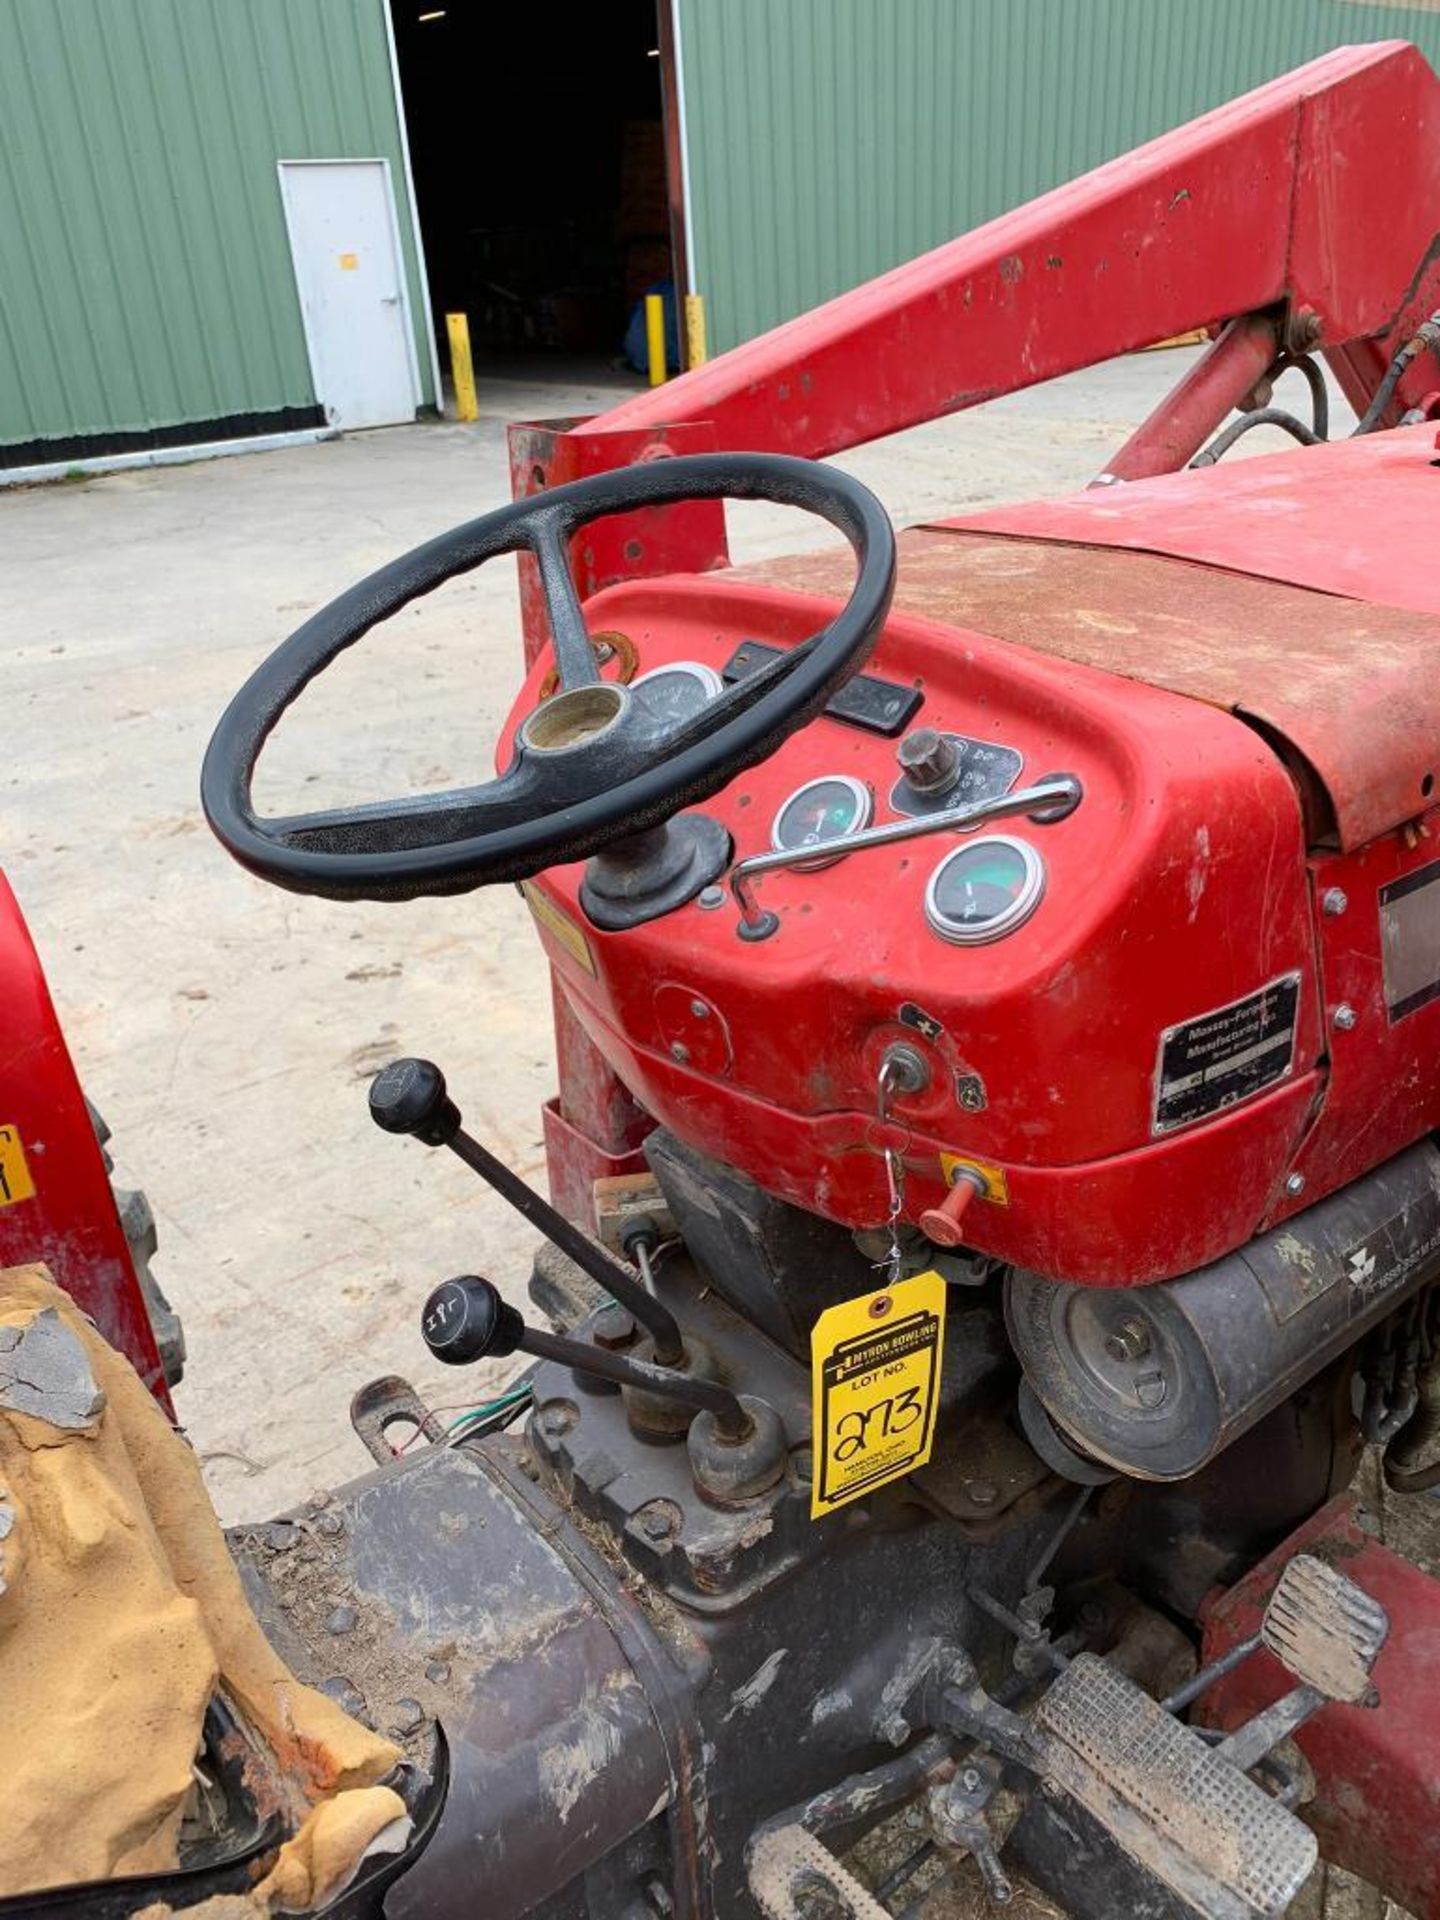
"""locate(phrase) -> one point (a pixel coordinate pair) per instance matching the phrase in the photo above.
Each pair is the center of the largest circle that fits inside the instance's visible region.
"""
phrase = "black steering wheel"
(590, 765)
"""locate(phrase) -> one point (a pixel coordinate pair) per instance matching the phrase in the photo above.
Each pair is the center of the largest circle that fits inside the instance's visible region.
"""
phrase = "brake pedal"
(1324, 1629)
(1178, 1806)
(1328, 1633)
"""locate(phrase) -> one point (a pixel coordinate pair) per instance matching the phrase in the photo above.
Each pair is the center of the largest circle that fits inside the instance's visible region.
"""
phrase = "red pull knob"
(942, 1224)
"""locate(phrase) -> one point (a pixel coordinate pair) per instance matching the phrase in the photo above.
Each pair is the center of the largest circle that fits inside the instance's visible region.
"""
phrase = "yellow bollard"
(696, 352)
(655, 337)
(467, 407)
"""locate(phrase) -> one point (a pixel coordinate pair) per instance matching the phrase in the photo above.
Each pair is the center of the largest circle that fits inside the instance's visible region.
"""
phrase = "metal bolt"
(281, 1535)
(679, 1052)
(437, 1672)
(970, 1779)
(1150, 1389)
(657, 1522)
(1345, 1017)
(329, 1525)
(556, 1418)
(981, 1493)
(710, 898)
(614, 1328)
(1130, 1340)
(1334, 901)
(1295, 1184)
(341, 1619)
(700, 1010)
(895, 1728)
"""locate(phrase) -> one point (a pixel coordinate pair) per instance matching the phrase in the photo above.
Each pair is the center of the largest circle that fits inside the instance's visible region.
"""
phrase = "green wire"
(491, 1407)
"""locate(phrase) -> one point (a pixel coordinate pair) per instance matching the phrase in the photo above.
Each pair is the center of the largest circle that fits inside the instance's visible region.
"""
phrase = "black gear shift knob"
(465, 1319)
(409, 1096)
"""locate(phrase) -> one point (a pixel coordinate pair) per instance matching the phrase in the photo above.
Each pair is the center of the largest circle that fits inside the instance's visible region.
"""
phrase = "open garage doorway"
(538, 146)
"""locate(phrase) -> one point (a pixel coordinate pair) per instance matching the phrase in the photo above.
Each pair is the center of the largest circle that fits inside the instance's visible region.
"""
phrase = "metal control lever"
(466, 1319)
(410, 1096)
(1054, 798)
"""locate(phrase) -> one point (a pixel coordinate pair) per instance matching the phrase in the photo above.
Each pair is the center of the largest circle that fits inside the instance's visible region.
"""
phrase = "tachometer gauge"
(821, 810)
(670, 695)
(984, 890)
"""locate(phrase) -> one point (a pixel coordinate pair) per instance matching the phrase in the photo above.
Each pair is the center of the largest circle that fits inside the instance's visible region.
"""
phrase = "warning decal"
(875, 1375)
(1226, 1056)
(15, 1181)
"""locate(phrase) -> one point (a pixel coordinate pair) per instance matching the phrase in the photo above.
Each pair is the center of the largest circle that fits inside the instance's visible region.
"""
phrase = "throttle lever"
(410, 1096)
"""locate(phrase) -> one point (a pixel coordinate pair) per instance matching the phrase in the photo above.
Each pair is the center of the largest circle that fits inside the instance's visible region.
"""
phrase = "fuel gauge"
(820, 811)
(984, 890)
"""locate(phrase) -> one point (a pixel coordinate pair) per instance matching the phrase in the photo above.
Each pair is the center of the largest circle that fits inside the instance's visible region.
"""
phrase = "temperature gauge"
(984, 890)
(821, 811)
(670, 695)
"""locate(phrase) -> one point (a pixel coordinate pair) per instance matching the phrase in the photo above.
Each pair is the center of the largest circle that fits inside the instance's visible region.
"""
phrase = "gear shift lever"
(410, 1096)
(466, 1319)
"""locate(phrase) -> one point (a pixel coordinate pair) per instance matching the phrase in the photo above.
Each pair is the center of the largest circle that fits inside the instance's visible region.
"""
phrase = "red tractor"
(995, 1187)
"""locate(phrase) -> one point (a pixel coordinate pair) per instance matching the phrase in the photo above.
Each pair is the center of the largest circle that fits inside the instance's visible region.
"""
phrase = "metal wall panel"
(829, 140)
(145, 274)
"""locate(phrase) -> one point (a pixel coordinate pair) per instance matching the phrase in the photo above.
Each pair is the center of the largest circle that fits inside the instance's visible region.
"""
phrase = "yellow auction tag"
(15, 1181)
(875, 1387)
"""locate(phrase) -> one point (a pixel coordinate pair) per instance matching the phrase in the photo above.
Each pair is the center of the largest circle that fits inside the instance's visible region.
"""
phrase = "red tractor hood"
(1298, 591)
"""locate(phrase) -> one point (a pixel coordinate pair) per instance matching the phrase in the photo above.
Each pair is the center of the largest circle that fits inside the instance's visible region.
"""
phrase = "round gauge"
(670, 695)
(821, 810)
(984, 890)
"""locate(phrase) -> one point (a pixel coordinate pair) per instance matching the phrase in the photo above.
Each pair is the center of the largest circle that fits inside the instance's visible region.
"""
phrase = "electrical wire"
(468, 1411)
(489, 1418)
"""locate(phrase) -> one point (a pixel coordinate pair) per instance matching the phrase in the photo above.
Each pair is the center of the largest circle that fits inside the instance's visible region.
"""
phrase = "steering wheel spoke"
(588, 769)
(574, 656)
(418, 821)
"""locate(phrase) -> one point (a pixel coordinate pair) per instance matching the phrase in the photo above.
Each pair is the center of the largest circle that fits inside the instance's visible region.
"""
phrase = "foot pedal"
(1219, 1843)
(1324, 1629)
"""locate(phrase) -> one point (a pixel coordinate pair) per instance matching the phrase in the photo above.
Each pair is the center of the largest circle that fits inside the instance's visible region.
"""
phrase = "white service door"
(348, 270)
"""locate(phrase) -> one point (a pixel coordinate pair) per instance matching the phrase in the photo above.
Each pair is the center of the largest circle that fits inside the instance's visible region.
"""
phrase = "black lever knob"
(409, 1096)
(465, 1319)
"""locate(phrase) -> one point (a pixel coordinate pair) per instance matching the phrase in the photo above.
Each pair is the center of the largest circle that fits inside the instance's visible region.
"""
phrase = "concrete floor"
(227, 1030)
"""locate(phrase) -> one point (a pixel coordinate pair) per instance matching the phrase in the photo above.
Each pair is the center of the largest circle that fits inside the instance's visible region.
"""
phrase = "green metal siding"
(145, 272)
(829, 140)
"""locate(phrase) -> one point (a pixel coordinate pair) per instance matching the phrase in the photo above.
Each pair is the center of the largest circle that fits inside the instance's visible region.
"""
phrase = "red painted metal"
(1349, 687)
(1354, 518)
(1186, 418)
(1280, 217)
(70, 1222)
(1180, 885)
(1377, 1771)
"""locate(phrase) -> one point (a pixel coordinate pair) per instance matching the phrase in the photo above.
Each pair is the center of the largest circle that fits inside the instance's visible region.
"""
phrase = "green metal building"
(829, 140)
(147, 293)
(179, 178)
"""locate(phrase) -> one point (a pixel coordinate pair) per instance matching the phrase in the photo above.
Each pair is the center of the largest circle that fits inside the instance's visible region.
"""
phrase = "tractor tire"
(137, 1221)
